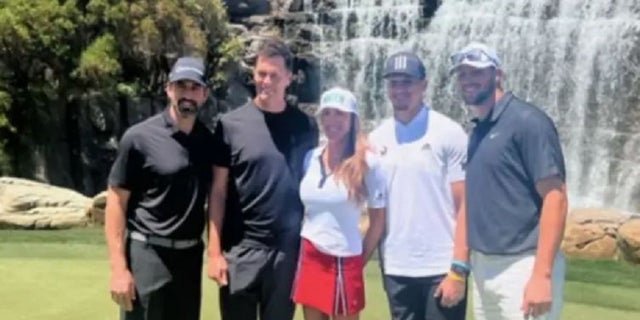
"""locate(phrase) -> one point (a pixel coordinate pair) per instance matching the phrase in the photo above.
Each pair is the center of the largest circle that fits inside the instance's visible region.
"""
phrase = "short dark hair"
(274, 47)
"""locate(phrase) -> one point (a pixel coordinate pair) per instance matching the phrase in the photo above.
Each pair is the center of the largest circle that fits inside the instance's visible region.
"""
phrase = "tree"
(56, 57)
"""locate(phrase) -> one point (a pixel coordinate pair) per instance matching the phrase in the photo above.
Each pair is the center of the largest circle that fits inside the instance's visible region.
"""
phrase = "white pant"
(499, 283)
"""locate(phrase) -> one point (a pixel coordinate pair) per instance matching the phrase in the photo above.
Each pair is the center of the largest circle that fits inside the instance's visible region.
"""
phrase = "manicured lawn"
(63, 275)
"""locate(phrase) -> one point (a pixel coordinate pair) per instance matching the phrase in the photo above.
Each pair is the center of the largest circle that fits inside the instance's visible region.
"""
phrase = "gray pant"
(260, 282)
(412, 299)
(168, 282)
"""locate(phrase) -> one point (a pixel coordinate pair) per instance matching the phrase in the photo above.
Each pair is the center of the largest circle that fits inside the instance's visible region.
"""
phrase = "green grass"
(63, 275)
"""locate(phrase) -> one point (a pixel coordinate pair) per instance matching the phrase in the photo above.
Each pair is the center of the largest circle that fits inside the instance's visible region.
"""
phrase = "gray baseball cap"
(405, 63)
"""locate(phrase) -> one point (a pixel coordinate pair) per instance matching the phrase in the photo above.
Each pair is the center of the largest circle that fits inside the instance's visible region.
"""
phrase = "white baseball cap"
(339, 98)
(476, 55)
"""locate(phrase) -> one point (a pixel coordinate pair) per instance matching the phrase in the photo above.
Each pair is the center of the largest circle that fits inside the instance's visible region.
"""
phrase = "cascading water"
(577, 59)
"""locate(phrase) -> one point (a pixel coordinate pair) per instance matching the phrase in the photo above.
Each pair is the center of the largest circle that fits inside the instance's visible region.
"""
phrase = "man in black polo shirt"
(155, 204)
(516, 196)
(255, 210)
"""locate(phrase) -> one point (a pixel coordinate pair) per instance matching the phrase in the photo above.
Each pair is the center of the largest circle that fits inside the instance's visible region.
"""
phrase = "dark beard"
(187, 107)
(483, 96)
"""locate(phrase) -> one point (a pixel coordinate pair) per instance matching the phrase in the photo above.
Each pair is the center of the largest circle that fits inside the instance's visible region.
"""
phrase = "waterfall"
(577, 59)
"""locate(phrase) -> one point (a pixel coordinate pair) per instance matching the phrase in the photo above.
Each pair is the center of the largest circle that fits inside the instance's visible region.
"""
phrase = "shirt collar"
(496, 111)
(500, 106)
(169, 123)
(418, 119)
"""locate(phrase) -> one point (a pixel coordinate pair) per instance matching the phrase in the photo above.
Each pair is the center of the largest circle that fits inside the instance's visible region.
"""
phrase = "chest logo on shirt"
(383, 150)
(426, 147)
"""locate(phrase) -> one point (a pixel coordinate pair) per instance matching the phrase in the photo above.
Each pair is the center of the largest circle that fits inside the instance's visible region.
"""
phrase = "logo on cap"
(400, 63)
(405, 63)
(334, 97)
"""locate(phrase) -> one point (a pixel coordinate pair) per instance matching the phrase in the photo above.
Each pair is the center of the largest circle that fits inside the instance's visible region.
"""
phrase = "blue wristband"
(461, 265)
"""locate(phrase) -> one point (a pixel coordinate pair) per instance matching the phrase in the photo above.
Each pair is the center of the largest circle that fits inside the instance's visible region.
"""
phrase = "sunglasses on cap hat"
(475, 55)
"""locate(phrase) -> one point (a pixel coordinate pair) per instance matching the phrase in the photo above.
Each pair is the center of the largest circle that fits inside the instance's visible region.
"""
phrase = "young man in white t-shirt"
(422, 153)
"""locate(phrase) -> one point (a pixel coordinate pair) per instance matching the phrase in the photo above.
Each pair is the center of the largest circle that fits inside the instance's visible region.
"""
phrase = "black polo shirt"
(264, 153)
(168, 174)
(516, 145)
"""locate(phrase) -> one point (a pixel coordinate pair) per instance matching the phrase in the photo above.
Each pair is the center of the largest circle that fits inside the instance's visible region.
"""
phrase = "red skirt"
(333, 285)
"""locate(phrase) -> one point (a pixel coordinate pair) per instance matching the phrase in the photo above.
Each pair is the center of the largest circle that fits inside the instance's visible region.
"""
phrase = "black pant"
(260, 282)
(168, 282)
(412, 299)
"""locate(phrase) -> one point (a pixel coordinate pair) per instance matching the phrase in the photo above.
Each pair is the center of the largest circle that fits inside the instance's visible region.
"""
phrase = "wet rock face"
(298, 30)
(238, 9)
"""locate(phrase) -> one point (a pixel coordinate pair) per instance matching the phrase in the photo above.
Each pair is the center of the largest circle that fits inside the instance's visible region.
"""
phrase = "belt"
(163, 242)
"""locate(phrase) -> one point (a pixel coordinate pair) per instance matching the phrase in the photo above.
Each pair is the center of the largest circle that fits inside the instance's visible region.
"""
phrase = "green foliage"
(58, 53)
(229, 54)
(5, 126)
(5, 105)
(99, 62)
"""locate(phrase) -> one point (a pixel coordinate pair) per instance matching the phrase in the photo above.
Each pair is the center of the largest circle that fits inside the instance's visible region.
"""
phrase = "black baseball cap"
(405, 63)
(188, 68)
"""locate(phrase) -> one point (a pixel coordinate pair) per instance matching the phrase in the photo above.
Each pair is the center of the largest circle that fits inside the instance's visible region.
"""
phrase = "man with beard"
(516, 196)
(255, 210)
(422, 154)
(155, 204)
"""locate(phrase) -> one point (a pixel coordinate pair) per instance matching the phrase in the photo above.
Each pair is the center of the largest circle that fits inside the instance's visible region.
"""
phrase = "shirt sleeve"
(540, 148)
(307, 161)
(222, 150)
(456, 155)
(375, 183)
(315, 133)
(126, 169)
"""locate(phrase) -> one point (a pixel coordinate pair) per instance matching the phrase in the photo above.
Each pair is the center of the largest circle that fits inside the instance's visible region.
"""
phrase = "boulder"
(293, 18)
(95, 213)
(308, 32)
(258, 21)
(629, 240)
(287, 5)
(237, 9)
(591, 233)
(26, 204)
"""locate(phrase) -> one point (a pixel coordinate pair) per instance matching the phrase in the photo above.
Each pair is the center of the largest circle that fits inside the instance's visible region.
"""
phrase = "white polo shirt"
(420, 208)
(331, 219)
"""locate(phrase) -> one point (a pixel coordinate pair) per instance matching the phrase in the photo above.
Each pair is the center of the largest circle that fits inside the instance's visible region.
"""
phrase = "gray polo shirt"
(515, 146)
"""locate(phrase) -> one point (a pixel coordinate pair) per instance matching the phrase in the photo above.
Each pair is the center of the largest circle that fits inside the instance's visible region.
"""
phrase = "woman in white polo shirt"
(341, 178)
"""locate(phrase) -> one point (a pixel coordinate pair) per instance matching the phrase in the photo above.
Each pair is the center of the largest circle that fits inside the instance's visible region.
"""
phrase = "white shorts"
(499, 283)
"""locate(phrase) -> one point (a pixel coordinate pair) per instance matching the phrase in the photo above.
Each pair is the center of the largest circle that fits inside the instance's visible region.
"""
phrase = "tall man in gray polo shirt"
(516, 196)
(155, 205)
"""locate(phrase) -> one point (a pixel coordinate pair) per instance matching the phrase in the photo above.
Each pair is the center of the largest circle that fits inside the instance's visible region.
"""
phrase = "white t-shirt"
(331, 220)
(420, 208)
